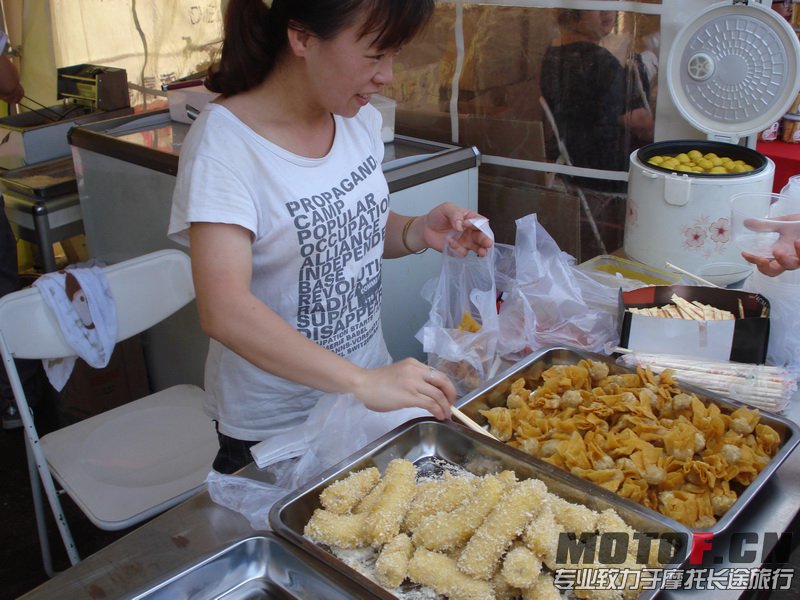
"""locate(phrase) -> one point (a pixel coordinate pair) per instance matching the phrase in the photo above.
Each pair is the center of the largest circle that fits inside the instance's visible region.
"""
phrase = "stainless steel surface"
(260, 566)
(153, 140)
(495, 392)
(430, 444)
(198, 527)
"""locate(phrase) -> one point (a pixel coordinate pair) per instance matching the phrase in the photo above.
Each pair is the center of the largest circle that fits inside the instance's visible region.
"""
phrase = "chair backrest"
(146, 290)
(551, 121)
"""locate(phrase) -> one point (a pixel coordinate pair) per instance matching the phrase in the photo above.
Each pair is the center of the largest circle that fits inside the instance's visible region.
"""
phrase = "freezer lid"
(153, 140)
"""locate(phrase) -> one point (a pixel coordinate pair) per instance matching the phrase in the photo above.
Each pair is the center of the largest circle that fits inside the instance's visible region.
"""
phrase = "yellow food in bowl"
(694, 161)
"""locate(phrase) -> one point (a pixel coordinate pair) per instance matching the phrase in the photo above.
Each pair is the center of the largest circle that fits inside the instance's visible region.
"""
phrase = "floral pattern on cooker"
(706, 236)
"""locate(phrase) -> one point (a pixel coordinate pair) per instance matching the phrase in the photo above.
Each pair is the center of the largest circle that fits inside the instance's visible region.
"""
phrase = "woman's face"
(346, 70)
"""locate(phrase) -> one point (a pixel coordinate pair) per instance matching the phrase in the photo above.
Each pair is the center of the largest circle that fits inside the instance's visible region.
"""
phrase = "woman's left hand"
(447, 218)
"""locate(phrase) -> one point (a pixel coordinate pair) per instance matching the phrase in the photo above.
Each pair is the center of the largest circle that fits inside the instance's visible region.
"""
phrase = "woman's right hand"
(405, 384)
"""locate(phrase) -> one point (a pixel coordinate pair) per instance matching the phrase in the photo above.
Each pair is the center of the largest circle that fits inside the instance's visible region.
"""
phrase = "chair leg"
(38, 507)
(45, 480)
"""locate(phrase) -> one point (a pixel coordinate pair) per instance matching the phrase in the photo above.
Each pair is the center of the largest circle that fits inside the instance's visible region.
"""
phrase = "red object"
(786, 158)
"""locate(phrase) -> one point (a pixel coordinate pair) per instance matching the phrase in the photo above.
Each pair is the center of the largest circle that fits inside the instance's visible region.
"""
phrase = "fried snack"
(521, 567)
(541, 535)
(441, 573)
(504, 523)
(387, 515)
(344, 531)
(519, 516)
(438, 496)
(573, 517)
(443, 531)
(502, 589)
(545, 589)
(468, 323)
(371, 499)
(342, 496)
(391, 565)
(639, 435)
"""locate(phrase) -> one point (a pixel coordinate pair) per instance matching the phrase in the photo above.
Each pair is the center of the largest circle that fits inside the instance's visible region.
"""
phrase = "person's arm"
(10, 88)
(432, 230)
(231, 314)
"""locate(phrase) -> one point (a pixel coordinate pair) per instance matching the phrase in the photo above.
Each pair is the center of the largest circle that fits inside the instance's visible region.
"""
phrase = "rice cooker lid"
(733, 71)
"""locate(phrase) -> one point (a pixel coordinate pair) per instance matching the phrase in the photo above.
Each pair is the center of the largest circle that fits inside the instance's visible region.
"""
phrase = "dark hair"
(568, 16)
(255, 35)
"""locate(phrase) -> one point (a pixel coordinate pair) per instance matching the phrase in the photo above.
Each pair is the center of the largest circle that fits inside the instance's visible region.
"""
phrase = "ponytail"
(254, 37)
(255, 33)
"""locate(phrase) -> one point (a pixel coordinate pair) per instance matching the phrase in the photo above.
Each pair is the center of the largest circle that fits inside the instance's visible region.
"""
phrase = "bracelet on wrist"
(406, 227)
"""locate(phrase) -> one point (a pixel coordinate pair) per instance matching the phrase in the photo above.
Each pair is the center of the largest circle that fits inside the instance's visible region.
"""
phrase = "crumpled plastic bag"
(783, 349)
(253, 499)
(339, 425)
(567, 307)
(464, 290)
(525, 297)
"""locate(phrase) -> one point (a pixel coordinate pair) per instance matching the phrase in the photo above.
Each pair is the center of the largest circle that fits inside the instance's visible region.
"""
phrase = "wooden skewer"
(692, 275)
(469, 422)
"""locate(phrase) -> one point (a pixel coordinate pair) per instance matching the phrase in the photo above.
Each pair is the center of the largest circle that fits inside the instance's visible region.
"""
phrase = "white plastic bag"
(782, 292)
(465, 288)
(336, 427)
(253, 499)
(561, 305)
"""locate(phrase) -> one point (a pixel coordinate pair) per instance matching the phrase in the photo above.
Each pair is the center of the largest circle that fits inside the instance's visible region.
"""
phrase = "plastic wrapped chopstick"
(761, 386)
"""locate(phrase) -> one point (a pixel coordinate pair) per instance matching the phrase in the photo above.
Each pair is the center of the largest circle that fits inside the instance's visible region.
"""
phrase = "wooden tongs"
(465, 420)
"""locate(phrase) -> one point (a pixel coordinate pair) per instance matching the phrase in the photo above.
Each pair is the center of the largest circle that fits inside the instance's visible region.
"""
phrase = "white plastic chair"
(130, 463)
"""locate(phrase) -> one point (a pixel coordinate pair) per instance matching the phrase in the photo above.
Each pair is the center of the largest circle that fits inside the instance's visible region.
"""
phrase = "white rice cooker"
(731, 73)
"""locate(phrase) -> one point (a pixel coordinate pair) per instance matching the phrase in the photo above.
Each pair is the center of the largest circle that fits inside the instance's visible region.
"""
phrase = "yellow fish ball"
(695, 154)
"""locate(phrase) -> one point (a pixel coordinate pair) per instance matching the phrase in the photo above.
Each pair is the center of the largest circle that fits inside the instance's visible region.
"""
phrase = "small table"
(43, 206)
(786, 158)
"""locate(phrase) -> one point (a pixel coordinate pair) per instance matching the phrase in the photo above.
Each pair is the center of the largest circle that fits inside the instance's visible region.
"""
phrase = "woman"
(281, 197)
(600, 112)
(601, 115)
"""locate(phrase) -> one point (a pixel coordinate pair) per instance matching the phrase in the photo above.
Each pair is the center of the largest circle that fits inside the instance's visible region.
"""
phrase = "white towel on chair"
(81, 301)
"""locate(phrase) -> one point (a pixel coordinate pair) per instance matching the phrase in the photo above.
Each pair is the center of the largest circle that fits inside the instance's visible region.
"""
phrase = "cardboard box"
(91, 391)
(743, 339)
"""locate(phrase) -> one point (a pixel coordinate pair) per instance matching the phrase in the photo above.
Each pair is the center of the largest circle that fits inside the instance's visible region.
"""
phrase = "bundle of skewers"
(761, 386)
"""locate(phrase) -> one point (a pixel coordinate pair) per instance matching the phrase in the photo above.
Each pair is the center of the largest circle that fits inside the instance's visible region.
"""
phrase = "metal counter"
(198, 526)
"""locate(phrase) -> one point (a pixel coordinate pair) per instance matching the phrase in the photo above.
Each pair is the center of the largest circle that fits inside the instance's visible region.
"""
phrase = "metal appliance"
(732, 70)
(90, 93)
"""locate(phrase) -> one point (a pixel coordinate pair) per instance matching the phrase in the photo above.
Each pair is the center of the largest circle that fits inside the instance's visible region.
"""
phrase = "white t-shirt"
(318, 228)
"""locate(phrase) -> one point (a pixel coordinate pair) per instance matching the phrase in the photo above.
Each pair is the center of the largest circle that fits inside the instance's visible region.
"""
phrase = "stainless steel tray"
(261, 566)
(495, 392)
(434, 445)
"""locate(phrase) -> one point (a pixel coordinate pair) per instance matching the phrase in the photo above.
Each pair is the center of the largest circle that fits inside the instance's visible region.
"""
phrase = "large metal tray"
(495, 392)
(433, 445)
(253, 568)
